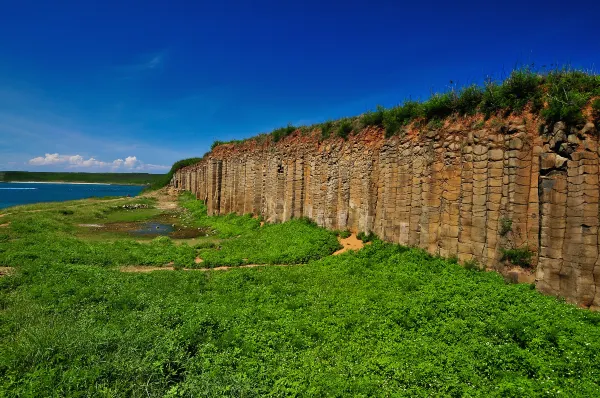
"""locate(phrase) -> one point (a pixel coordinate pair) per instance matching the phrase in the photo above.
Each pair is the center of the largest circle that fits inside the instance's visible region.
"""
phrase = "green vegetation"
(101, 178)
(559, 94)
(505, 226)
(518, 256)
(344, 128)
(283, 132)
(383, 321)
(596, 109)
(293, 242)
(226, 226)
(366, 237)
(165, 179)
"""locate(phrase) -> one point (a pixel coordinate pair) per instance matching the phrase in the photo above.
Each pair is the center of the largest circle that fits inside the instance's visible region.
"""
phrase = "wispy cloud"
(130, 163)
(143, 65)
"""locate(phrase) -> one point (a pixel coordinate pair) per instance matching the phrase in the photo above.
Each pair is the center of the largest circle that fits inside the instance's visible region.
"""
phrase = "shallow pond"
(154, 229)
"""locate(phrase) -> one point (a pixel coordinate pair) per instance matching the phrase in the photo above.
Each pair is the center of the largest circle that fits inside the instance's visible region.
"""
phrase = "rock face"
(458, 191)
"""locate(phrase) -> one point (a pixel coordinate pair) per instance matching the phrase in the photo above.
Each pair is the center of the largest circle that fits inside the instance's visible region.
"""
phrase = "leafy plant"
(344, 128)
(596, 110)
(517, 256)
(505, 226)
(326, 129)
(373, 118)
(366, 237)
(283, 132)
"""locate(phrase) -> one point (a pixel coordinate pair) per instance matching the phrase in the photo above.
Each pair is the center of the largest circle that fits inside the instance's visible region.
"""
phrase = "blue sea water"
(13, 194)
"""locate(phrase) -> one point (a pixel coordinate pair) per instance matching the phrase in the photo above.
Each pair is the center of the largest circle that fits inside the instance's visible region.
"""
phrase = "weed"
(596, 110)
(344, 128)
(283, 132)
(473, 265)
(517, 256)
(366, 237)
(326, 129)
(505, 226)
(373, 118)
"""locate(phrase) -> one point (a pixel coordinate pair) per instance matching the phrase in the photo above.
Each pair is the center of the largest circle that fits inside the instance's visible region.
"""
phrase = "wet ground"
(150, 229)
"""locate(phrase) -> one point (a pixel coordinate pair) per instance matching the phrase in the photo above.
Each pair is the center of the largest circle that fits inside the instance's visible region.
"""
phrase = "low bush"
(344, 128)
(366, 237)
(517, 256)
(283, 132)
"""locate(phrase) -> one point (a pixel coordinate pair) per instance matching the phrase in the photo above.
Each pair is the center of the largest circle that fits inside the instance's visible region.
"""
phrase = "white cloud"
(131, 163)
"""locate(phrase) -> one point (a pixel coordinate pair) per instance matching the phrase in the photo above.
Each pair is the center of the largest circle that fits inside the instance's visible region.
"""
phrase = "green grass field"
(384, 321)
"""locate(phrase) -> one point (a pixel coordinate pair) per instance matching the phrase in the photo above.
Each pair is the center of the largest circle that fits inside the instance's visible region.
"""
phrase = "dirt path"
(145, 269)
(166, 198)
(349, 243)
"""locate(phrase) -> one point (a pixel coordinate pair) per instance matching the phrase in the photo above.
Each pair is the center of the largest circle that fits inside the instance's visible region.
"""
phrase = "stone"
(445, 191)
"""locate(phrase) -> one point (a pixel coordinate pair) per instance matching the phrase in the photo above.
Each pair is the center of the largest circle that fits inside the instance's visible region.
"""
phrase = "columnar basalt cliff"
(472, 190)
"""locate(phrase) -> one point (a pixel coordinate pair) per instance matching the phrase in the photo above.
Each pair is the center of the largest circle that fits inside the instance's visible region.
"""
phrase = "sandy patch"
(5, 271)
(4, 225)
(349, 243)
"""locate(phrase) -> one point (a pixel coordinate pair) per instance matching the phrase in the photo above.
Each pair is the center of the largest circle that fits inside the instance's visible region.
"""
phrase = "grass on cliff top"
(559, 94)
(386, 321)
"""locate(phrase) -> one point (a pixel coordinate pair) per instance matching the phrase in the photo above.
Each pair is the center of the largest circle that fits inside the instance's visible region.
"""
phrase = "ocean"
(13, 194)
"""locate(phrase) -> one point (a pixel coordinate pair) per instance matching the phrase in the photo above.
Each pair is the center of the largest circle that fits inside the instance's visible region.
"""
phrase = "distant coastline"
(33, 177)
(70, 182)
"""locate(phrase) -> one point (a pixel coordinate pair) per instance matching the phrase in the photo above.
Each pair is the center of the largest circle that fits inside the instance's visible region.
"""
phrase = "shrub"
(519, 256)
(66, 212)
(439, 106)
(473, 265)
(344, 128)
(505, 226)
(366, 237)
(373, 118)
(395, 118)
(522, 87)
(216, 144)
(343, 233)
(596, 109)
(468, 100)
(326, 129)
(283, 132)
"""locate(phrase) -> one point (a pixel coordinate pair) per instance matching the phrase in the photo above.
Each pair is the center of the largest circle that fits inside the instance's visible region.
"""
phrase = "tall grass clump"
(283, 132)
(568, 92)
(559, 94)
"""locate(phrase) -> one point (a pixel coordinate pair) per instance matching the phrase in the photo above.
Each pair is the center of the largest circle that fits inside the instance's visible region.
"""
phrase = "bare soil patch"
(349, 243)
(5, 271)
(166, 198)
(4, 225)
(146, 269)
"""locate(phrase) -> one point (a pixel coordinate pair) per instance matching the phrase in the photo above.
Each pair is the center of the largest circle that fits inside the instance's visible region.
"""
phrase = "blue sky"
(137, 85)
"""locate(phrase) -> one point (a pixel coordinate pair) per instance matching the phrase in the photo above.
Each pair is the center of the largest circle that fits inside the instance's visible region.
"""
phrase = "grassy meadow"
(384, 321)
